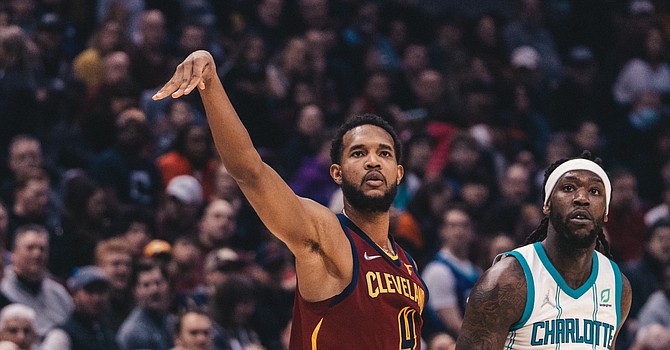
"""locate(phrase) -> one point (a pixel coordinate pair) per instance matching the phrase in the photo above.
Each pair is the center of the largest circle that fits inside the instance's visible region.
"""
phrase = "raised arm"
(496, 302)
(310, 230)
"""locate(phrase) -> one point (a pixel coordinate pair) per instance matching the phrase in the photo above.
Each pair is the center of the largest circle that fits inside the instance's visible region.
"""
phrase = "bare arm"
(310, 230)
(626, 300)
(496, 302)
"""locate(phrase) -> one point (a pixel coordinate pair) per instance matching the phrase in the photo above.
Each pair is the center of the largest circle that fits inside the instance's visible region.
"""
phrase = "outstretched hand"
(196, 70)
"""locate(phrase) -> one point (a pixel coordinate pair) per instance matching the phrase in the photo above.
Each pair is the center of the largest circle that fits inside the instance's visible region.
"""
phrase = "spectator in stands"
(181, 204)
(646, 273)
(194, 331)
(451, 274)
(24, 153)
(515, 189)
(114, 258)
(88, 65)
(149, 325)
(652, 337)
(625, 227)
(88, 218)
(528, 28)
(191, 154)
(19, 112)
(150, 62)
(657, 308)
(28, 282)
(649, 71)
(126, 173)
(32, 204)
(231, 308)
(18, 326)
(217, 225)
(85, 329)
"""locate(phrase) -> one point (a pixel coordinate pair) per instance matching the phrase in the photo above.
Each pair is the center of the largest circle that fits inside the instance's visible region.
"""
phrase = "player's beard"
(571, 240)
(370, 204)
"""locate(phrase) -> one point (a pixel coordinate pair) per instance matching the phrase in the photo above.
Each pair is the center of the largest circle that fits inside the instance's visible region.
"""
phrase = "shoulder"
(496, 303)
(505, 273)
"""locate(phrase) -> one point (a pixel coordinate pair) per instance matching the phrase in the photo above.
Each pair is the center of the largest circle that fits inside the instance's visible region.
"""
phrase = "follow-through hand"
(195, 70)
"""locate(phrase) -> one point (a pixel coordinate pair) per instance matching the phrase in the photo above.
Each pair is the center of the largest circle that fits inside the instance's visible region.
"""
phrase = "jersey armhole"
(530, 295)
(354, 277)
(618, 291)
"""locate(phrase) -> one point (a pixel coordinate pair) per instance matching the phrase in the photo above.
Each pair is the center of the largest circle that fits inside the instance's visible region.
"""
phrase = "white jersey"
(559, 317)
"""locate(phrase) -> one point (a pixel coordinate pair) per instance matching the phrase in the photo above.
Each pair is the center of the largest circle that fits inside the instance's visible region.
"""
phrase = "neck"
(375, 225)
(573, 264)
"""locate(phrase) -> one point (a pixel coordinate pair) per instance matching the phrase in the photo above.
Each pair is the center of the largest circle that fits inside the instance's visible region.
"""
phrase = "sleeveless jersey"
(380, 309)
(559, 317)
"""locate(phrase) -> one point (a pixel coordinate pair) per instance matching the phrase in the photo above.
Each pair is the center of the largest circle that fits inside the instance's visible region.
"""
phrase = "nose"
(581, 197)
(372, 162)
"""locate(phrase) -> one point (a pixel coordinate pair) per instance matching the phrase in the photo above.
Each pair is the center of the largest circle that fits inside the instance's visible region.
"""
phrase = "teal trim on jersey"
(573, 293)
(530, 296)
(618, 289)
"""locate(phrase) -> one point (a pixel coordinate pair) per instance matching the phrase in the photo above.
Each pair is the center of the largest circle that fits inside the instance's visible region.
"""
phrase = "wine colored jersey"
(559, 317)
(380, 309)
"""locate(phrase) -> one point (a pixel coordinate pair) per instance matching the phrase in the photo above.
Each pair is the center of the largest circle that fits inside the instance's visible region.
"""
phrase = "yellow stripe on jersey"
(315, 334)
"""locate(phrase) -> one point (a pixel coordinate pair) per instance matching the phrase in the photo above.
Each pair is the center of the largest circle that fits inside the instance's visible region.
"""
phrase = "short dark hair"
(337, 145)
(145, 265)
(24, 229)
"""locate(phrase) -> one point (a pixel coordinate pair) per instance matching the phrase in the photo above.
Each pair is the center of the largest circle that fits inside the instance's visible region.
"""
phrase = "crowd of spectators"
(111, 201)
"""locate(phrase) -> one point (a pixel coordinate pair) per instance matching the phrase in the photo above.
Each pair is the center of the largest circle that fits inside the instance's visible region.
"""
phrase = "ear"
(546, 209)
(401, 174)
(336, 173)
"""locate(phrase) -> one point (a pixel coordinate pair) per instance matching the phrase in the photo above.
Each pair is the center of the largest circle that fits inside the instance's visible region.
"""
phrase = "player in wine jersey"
(357, 289)
(561, 290)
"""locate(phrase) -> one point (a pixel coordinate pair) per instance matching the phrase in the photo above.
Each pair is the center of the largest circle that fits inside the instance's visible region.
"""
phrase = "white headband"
(578, 164)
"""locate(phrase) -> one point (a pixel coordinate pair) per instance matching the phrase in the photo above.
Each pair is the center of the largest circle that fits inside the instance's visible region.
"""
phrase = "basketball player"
(357, 289)
(560, 290)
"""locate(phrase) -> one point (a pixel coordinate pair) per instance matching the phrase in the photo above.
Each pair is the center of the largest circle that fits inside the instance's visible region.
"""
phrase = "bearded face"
(568, 238)
(363, 202)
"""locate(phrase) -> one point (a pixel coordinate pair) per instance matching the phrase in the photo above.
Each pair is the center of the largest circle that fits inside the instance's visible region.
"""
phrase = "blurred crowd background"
(120, 228)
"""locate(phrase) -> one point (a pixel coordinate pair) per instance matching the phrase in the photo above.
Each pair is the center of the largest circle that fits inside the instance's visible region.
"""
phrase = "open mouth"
(580, 217)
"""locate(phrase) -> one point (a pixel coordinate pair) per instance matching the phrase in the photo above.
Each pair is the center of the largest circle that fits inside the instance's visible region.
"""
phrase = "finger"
(171, 85)
(184, 79)
(196, 77)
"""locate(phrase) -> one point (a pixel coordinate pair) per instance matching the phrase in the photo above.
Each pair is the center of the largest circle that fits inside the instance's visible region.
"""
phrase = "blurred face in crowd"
(25, 154)
(195, 332)
(197, 145)
(516, 184)
(137, 236)
(91, 300)
(19, 331)
(152, 291)
(225, 185)
(116, 67)
(4, 222)
(624, 191)
(152, 28)
(118, 268)
(30, 255)
(659, 244)
(33, 199)
(456, 231)
(310, 121)
(218, 223)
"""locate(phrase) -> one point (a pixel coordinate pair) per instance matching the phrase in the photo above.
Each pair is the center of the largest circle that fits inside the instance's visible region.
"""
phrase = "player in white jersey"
(561, 290)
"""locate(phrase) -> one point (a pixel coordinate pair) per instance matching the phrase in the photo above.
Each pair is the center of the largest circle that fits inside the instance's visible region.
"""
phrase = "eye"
(357, 154)
(385, 154)
(568, 188)
(595, 191)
